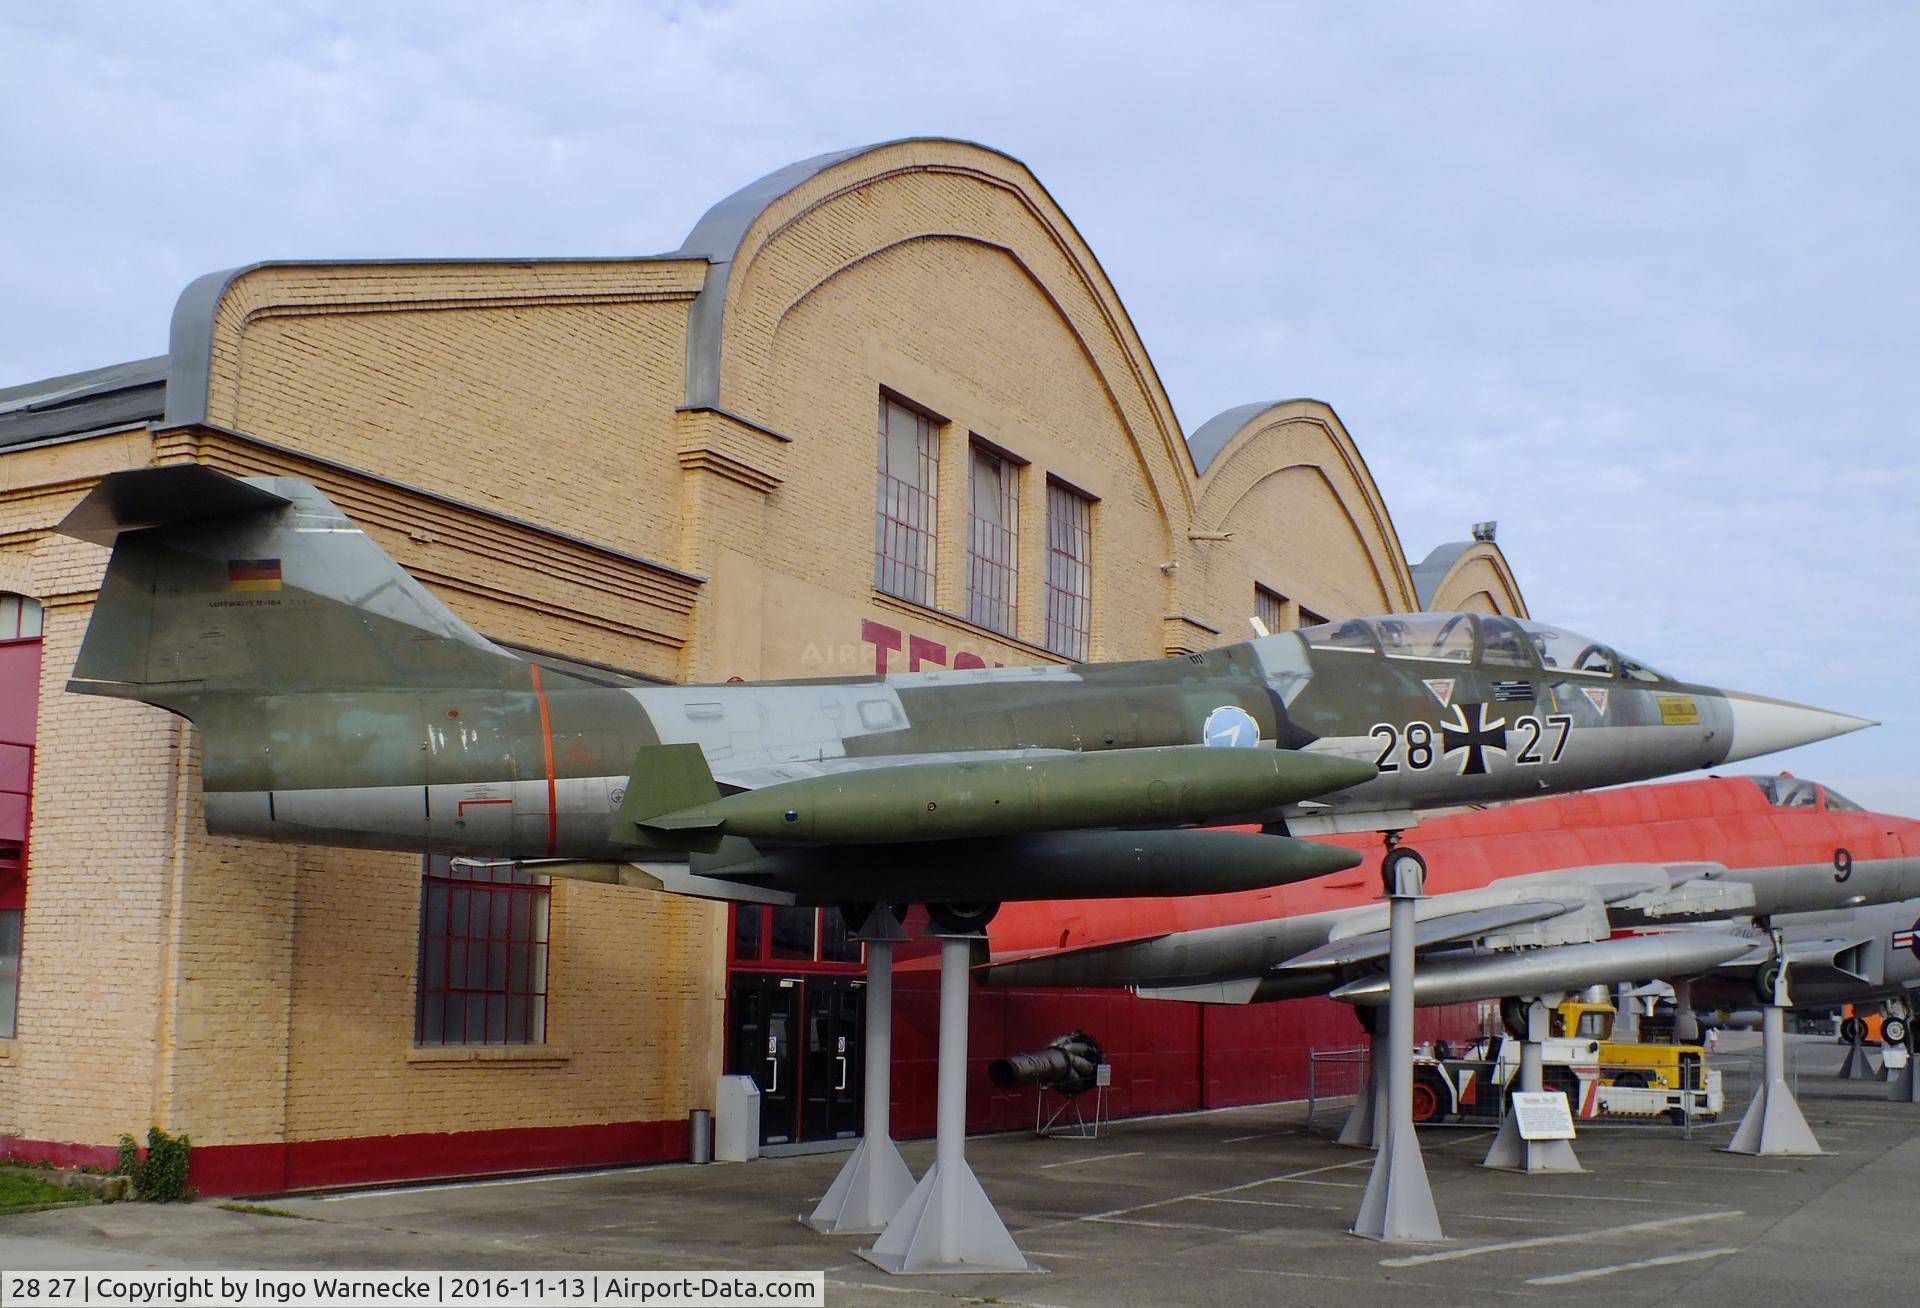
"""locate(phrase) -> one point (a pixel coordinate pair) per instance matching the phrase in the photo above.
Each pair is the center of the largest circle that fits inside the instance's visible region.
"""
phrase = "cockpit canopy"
(1473, 637)
(1786, 791)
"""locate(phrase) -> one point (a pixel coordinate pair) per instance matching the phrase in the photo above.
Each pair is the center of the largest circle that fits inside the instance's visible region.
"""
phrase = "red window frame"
(907, 502)
(1069, 570)
(484, 942)
(993, 539)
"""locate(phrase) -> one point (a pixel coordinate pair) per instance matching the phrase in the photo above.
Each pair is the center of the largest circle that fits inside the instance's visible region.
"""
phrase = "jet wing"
(1451, 928)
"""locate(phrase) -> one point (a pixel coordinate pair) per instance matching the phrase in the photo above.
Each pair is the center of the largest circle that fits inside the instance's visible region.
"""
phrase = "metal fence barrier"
(1335, 1075)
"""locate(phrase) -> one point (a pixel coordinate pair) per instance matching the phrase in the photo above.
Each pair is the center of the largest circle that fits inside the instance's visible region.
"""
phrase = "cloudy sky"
(1640, 281)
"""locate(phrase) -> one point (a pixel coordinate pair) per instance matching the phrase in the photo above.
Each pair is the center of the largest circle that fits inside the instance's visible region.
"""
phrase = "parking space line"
(1667, 1260)
(1167, 1226)
(1097, 1158)
(1261, 1203)
(1197, 1194)
(1715, 1167)
(1571, 1237)
(1588, 1198)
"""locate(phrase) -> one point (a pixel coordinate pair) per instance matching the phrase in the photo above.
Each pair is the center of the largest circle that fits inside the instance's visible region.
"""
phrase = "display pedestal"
(875, 1182)
(948, 1224)
(1774, 1124)
(1511, 1151)
(1398, 1205)
(1362, 1129)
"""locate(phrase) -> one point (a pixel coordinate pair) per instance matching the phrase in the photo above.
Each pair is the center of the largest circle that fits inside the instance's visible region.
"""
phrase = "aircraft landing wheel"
(963, 919)
(1851, 1029)
(1428, 1095)
(1401, 863)
(1893, 1031)
(1513, 1016)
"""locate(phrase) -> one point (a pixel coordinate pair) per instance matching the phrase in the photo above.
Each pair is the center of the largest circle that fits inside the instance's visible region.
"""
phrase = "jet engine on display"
(1069, 1064)
(339, 703)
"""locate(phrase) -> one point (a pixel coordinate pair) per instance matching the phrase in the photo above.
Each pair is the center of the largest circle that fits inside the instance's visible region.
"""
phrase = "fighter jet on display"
(1499, 928)
(1850, 956)
(338, 703)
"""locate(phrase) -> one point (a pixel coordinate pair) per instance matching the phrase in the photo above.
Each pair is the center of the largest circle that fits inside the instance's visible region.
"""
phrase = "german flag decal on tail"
(253, 574)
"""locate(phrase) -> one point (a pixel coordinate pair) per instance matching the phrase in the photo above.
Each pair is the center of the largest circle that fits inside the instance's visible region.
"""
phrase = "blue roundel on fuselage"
(1230, 727)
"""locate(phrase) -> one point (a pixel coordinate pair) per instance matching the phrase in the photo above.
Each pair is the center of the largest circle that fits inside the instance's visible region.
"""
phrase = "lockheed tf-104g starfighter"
(339, 703)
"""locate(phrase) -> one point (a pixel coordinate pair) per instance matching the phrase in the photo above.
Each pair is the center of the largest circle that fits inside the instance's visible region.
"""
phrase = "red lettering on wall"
(882, 638)
(921, 650)
(963, 659)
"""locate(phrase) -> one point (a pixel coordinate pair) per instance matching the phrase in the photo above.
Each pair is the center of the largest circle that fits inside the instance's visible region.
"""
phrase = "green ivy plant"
(160, 1177)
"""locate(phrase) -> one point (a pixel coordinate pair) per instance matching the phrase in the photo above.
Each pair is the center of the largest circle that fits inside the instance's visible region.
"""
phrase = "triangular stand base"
(1369, 1115)
(1857, 1058)
(1774, 1125)
(1513, 1154)
(1903, 1086)
(871, 1188)
(926, 1237)
(1398, 1205)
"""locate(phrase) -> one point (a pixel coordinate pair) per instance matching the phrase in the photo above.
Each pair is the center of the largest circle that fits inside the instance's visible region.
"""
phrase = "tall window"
(1308, 618)
(9, 969)
(1270, 606)
(20, 621)
(993, 561)
(1069, 571)
(903, 532)
(483, 956)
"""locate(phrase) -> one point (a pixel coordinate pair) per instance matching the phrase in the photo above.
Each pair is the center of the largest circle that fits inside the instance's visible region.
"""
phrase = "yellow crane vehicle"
(1601, 1076)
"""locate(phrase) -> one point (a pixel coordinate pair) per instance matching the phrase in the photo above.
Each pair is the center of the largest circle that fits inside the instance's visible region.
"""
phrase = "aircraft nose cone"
(1761, 725)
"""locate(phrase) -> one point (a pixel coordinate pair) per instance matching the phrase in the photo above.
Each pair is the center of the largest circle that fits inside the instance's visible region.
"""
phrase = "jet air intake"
(1171, 785)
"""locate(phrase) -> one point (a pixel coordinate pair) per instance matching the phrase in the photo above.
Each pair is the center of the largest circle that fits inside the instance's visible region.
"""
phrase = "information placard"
(1543, 1115)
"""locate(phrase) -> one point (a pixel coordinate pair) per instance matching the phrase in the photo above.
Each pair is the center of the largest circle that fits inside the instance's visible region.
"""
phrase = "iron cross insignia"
(1467, 731)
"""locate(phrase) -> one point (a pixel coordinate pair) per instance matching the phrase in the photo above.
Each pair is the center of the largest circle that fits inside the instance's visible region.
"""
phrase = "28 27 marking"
(1413, 743)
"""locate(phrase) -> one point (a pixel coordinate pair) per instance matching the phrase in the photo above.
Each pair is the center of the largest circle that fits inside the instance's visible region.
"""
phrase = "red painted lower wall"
(1167, 1057)
(262, 1169)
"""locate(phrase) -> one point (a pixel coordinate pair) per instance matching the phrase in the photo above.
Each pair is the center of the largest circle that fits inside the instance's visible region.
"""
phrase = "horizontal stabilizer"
(160, 497)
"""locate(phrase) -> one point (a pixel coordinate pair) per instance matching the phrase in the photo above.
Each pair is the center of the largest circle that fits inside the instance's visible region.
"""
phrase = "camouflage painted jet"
(338, 703)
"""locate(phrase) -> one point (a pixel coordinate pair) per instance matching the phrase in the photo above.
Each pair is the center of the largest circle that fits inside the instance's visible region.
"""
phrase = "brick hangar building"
(882, 410)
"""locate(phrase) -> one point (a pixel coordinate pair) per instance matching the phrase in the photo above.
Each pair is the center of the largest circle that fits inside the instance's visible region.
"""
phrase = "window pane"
(1271, 608)
(905, 495)
(1069, 571)
(992, 541)
(748, 920)
(793, 932)
(483, 943)
(837, 944)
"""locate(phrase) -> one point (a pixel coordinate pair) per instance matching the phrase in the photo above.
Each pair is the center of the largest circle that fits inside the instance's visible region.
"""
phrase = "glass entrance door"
(836, 1007)
(798, 1037)
(765, 1021)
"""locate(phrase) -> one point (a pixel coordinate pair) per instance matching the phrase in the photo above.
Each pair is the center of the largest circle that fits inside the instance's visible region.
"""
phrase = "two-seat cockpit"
(1486, 641)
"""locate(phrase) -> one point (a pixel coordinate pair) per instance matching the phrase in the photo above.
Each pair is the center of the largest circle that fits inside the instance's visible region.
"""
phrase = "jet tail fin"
(260, 586)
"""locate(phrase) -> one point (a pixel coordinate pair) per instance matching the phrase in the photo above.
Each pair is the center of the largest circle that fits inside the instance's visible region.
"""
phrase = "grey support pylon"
(1903, 1085)
(1686, 1027)
(1774, 1124)
(1858, 1061)
(948, 1224)
(1398, 1204)
(1362, 1129)
(1510, 1151)
(875, 1182)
